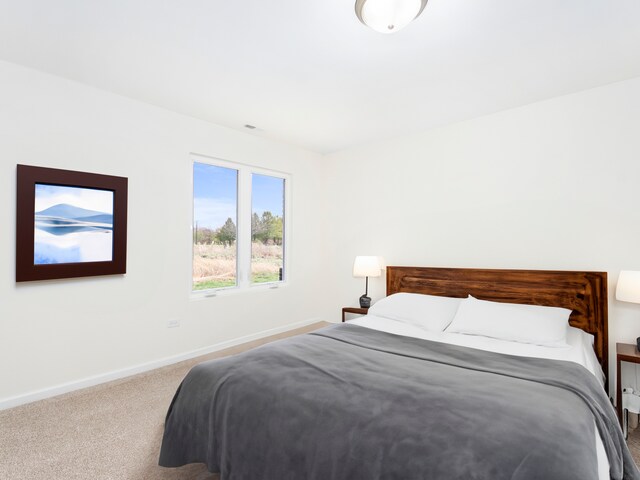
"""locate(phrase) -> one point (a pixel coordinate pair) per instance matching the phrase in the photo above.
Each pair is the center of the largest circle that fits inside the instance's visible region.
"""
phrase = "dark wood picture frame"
(27, 178)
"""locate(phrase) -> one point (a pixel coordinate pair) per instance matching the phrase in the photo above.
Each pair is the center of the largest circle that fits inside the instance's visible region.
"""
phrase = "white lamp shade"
(388, 16)
(628, 289)
(367, 266)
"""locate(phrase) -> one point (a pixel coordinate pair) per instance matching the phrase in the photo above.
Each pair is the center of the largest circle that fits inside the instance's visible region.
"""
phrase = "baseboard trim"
(56, 390)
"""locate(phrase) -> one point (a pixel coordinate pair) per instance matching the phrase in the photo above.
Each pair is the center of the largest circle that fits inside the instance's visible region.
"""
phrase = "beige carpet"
(112, 431)
(633, 441)
(108, 432)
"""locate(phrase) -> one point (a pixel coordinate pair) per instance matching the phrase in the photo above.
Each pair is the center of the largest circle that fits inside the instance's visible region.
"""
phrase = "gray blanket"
(347, 402)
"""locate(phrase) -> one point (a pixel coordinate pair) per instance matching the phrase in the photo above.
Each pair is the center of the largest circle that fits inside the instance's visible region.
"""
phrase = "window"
(239, 225)
(267, 224)
(215, 219)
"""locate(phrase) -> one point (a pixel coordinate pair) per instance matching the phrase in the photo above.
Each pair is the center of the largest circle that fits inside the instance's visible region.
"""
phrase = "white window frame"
(243, 225)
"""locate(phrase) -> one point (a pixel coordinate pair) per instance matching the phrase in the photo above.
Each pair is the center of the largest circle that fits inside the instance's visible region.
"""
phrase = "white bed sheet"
(580, 350)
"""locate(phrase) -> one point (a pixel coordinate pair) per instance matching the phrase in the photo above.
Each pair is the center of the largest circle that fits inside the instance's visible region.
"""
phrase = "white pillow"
(430, 312)
(535, 324)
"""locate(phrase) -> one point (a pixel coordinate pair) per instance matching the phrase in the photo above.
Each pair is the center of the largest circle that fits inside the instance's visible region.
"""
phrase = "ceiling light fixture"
(388, 16)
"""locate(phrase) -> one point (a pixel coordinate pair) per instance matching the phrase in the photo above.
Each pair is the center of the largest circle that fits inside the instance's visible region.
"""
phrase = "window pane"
(215, 207)
(267, 228)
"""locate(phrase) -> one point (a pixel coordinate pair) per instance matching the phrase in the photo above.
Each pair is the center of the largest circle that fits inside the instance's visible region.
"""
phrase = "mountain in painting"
(64, 210)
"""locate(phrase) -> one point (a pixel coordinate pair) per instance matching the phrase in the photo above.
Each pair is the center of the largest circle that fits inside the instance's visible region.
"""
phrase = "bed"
(381, 399)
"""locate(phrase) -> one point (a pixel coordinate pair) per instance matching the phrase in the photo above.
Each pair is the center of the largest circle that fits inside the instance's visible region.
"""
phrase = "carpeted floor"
(108, 432)
(112, 431)
(633, 441)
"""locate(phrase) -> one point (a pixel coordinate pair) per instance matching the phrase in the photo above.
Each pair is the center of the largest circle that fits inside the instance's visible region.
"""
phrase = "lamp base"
(365, 302)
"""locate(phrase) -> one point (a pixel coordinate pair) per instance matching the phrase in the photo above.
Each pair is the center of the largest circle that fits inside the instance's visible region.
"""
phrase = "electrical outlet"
(174, 322)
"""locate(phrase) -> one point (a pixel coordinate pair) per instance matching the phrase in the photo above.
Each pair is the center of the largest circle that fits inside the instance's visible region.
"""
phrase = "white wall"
(552, 185)
(64, 331)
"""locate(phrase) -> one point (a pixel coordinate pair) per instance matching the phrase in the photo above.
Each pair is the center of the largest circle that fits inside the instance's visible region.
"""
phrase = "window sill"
(229, 291)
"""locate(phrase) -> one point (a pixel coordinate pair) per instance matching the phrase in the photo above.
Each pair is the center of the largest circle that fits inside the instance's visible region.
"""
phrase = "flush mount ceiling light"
(388, 16)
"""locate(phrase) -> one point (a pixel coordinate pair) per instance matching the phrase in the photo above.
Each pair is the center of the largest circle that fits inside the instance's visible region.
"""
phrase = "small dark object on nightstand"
(365, 302)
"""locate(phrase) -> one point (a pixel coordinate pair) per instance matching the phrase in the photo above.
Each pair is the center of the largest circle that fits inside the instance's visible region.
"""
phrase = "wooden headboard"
(583, 292)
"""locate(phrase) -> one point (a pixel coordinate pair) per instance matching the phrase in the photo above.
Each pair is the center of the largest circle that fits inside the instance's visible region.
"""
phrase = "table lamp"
(366, 266)
(628, 290)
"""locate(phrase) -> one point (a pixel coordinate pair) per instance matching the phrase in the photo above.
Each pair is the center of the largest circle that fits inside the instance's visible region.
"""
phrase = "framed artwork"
(69, 224)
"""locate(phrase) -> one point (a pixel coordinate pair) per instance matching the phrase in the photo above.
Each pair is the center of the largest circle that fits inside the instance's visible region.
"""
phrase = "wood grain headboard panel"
(583, 292)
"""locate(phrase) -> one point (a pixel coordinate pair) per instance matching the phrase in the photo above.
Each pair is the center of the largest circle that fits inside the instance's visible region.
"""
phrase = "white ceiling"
(308, 73)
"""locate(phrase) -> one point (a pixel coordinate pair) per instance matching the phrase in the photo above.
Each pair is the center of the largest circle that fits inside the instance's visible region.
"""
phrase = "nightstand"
(625, 352)
(354, 310)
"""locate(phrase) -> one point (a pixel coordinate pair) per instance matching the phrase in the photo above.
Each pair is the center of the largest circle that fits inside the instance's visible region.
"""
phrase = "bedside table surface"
(629, 351)
(357, 310)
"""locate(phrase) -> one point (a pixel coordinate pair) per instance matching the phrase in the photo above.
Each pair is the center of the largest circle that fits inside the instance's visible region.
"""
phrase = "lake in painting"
(72, 225)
